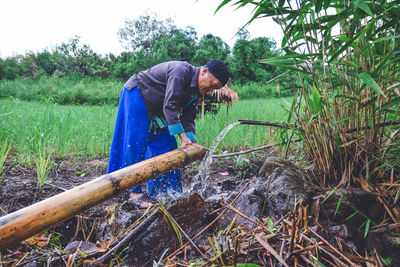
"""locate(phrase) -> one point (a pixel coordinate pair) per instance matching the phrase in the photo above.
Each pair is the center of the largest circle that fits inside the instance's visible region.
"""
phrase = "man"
(155, 105)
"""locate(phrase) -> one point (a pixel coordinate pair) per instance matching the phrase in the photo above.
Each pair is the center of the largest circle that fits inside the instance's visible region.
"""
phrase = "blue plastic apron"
(133, 143)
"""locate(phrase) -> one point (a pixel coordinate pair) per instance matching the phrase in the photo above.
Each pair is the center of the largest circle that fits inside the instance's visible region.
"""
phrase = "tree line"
(148, 41)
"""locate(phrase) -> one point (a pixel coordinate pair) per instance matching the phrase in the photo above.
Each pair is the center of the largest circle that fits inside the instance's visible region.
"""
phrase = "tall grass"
(253, 90)
(86, 131)
(4, 151)
(63, 130)
(96, 91)
(66, 90)
(241, 136)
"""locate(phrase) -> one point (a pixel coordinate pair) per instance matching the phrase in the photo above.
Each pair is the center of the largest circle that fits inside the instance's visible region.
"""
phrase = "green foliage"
(65, 90)
(65, 130)
(150, 40)
(178, 45)
(346, 55)
(78, 59)
(210, 47)
(244, 64)
(252, 90)
(87, 130)
(4, 151)
(10, 68)
(42, 162)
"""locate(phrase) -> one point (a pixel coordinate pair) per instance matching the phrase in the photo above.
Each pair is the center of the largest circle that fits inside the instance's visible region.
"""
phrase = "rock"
(341, 205)
(283, 183)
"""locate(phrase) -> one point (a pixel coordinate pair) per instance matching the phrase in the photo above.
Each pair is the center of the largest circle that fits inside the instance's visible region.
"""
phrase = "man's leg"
(131, 132)
(160, 143)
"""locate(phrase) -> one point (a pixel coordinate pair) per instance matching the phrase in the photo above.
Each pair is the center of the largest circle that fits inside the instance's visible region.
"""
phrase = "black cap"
(220, 70)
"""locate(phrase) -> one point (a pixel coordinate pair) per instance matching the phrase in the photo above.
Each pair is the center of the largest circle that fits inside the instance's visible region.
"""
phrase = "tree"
(246, 54)
(210, 47)
(144, 32)
(76, 58)
(178, 45)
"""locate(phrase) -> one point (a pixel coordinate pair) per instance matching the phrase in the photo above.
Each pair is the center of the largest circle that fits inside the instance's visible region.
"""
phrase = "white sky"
(33, 25)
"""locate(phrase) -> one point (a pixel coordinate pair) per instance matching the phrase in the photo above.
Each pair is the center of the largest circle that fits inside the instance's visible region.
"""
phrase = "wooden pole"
(202, 108)
(30, 220)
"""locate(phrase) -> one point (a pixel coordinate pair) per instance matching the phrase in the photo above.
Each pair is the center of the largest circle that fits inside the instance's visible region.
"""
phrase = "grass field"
(95, 91)
(86, 131)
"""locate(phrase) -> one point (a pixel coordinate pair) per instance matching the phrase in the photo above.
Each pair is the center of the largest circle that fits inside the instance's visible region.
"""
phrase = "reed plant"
(4, 151)
(42, 162)
(347, 56)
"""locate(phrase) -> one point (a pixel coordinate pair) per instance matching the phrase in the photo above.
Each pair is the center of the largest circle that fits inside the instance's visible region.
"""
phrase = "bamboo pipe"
(30, 220)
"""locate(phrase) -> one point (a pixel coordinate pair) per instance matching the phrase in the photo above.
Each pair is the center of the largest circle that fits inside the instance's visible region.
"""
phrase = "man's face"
(207, 82)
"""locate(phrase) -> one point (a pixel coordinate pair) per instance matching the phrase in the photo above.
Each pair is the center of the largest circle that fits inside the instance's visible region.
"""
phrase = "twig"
(307, 248)
(332, 247)
(324, 250)
(265, 244)
(3, 211)
(205, 228)
(190, 240)
(265, 123)
(55, 186)
(229, 207)
(245, 151)
(384, 228)
(127, 237)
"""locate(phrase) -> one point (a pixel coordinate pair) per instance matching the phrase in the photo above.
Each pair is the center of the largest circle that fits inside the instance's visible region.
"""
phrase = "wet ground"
(19, 188)
(105, 225)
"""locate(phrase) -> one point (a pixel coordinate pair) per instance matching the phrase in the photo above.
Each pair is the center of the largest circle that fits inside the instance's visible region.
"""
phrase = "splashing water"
(204, 169)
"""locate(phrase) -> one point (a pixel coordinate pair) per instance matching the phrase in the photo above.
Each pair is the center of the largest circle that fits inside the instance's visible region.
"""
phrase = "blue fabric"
(191, 136)
(175, 129)
(191, 100)
(133, 143)
(160, 143)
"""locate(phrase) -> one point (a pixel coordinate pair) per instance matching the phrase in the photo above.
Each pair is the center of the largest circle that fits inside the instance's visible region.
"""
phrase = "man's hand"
(185, 141)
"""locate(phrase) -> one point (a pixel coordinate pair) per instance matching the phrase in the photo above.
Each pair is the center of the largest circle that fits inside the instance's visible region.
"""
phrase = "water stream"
(204, 169)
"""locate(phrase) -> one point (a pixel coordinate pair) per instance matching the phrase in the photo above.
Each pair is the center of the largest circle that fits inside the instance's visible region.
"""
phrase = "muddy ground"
(19, 188)
(104, 226)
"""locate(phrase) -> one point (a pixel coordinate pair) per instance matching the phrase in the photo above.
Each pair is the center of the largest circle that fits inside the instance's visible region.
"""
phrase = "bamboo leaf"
(317, 100)
(369, 81)
(338, 204)
(351, 216)
(318, 5)
(367, 228)
(221, 5)
(361, 4)
(330, 194)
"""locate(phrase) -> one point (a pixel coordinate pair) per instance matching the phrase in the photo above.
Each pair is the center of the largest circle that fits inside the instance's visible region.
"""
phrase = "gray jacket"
(170, 90)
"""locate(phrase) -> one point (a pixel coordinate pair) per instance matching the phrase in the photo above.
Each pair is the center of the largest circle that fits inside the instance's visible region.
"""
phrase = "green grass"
(96, 91)
(61, 130)
(66, 90)
(242, 136)
(86, 131)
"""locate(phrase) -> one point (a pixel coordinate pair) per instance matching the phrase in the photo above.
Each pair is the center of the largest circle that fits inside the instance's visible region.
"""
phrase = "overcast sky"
(33, 25)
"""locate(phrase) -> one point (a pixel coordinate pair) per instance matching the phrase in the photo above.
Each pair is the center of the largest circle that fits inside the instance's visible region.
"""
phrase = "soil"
(19, 188)
(98, 225)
